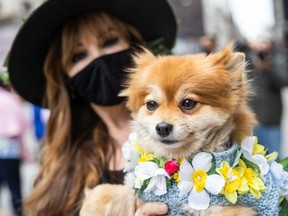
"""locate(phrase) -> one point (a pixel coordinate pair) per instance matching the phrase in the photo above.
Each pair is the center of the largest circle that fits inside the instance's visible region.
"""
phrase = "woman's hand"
(150, 208)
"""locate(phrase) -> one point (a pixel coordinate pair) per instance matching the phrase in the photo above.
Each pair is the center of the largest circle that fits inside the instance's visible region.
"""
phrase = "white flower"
(262, 162)
(138, 183)
(130, 153)
(247, 146)
(157, 176)
(194, 178)
(281, 178)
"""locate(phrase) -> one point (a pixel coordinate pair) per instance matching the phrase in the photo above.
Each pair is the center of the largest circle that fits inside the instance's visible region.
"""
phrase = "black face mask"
(100, 81)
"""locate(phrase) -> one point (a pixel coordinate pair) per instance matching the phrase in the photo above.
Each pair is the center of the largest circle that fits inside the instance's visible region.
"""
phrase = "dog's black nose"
(163, 129)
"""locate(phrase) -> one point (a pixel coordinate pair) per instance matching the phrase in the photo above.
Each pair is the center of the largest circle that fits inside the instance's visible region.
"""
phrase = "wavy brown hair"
(76, 152)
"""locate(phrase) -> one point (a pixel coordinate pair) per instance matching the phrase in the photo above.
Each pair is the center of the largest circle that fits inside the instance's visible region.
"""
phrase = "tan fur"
(109, 200)
(223, 211)
(217, 83)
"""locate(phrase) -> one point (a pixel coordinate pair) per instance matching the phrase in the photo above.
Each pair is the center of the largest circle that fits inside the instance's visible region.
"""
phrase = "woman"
(82, 47)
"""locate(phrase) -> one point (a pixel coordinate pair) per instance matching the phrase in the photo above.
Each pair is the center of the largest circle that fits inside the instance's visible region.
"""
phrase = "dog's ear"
(232, 62)
(142, 58)
(229, 59)
(134, 83)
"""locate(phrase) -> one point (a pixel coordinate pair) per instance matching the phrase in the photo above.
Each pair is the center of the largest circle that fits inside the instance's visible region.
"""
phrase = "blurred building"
(283, 4)
(12, 15)
(190, 25)
(16, 8)
(226, 20)
(243, 20)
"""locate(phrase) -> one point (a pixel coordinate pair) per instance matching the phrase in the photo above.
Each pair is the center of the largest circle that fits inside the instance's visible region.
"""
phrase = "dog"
(183, 105)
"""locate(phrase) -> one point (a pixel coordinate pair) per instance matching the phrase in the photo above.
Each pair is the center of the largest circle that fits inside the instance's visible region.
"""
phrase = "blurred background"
(259, 28)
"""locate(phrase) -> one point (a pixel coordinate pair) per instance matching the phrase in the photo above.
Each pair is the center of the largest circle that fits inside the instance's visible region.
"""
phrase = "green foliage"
(237, 158)
(251, 165)
(160, 161)
(4, 76)
(284, 208)
(157, 47)
(284, 203)
(213, 168)
(284, 163)
(5, 64)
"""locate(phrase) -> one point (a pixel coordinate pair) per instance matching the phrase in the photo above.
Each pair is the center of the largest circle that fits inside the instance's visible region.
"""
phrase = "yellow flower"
(271, 157)
(259, 149)
(146, 157)
(256, 185)
(199, 178)
(233, 180)
(176, 176)
(179, 161)
(250, 144)
(137, 148)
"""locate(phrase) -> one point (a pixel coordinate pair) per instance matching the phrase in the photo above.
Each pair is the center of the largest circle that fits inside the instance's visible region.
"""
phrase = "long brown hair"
(76, 152)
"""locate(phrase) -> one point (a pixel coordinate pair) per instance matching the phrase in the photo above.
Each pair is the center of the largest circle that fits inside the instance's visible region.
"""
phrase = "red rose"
(171, 167)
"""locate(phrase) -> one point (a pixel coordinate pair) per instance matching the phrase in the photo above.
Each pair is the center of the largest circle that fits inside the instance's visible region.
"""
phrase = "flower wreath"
(199, 177)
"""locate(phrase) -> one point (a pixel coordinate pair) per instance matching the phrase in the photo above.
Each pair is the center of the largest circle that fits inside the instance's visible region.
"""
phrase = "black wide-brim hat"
(154, 19)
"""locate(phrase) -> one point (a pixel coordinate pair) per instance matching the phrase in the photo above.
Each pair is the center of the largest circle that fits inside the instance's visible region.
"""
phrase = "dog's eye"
(188, 104)
(152, 105)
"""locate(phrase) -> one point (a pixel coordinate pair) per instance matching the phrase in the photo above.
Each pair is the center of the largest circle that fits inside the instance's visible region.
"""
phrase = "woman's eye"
(78, 57)
(110, 42)
(188, 104)
(152, 105)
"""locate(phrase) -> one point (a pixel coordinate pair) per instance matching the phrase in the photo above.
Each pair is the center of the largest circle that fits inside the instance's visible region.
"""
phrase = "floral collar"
(206, 173)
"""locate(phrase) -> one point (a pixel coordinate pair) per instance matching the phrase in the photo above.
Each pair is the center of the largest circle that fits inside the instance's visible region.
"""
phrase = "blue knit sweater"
(267, 205)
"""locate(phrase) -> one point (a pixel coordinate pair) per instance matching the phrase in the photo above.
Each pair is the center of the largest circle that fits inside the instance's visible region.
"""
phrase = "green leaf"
(143, 187)
(237, 158)
(4, 78)
(284, 208)
(5, 63)
(168, 182)
(4, 75)
(155, 160)
(251, 165)
(162, 162)
(284, 163)
(213, 168)
(157, 47)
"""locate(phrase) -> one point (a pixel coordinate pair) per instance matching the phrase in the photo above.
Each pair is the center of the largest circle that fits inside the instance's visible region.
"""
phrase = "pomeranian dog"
(182, 105)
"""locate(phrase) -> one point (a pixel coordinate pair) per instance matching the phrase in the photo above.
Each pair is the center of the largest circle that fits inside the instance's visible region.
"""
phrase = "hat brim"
(154, 19)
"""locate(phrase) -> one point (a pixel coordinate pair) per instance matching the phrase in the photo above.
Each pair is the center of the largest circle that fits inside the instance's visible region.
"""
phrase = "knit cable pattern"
(267, 205)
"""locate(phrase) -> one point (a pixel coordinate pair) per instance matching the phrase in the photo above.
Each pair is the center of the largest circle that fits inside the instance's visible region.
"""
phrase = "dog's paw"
(108, 200)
